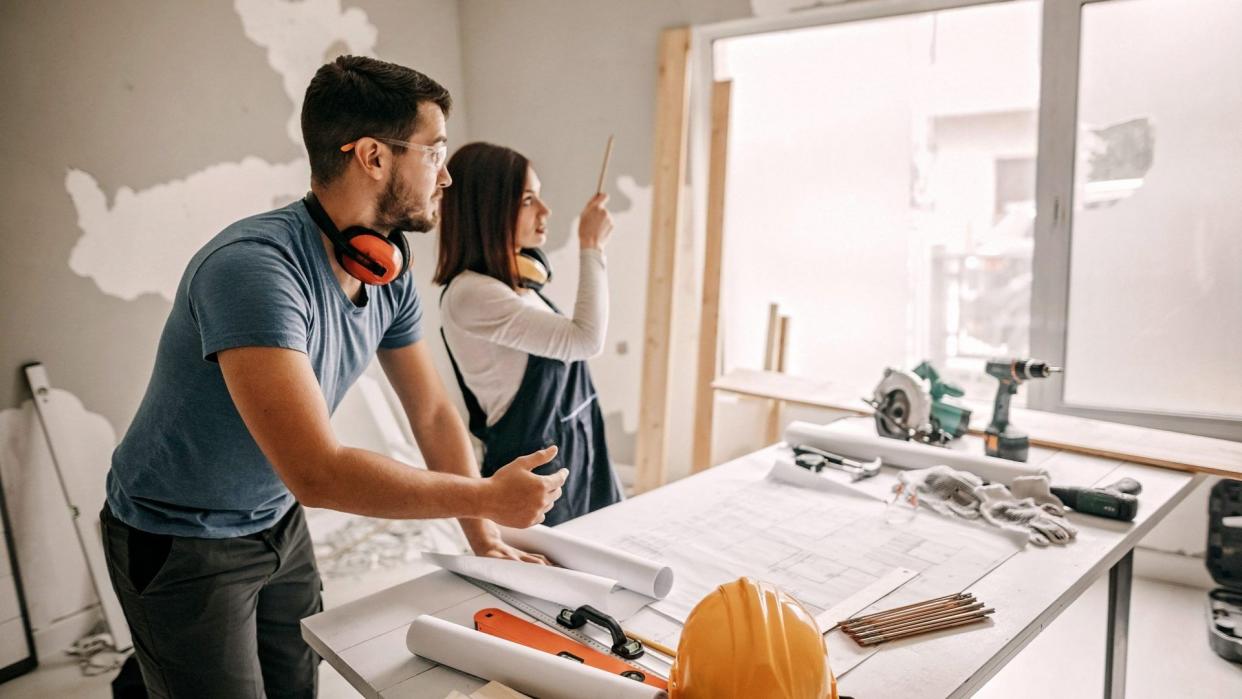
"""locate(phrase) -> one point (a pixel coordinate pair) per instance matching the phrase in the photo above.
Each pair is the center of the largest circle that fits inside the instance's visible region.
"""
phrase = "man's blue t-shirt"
(188, 466)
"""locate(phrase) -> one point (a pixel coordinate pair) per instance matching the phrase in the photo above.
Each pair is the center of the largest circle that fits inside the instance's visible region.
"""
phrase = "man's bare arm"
(278, 397)
(438, 429)
(440, 433)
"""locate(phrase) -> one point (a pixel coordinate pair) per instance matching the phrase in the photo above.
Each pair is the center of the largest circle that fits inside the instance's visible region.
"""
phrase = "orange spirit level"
(499, 623)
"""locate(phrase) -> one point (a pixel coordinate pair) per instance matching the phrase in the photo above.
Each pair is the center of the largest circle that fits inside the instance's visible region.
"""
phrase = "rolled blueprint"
(568, 588)
(525, 669)
(908, 455)
(630, 571)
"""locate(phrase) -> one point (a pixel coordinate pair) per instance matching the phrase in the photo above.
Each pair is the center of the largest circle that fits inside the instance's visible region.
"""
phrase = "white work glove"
(945, 490)
(1002, 509)
(1038, 489)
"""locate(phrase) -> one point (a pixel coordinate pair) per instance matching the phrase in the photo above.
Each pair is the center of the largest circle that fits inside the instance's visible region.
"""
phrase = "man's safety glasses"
(438, 153)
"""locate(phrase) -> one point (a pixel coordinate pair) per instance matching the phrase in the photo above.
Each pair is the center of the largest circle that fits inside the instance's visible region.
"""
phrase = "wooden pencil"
(973, 619)
(654, 645)
(960, 606)
(603, 171)
(918, 623)
(947, 599)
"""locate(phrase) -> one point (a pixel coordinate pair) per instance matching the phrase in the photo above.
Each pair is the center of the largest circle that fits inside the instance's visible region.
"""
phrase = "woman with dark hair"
(520, 362)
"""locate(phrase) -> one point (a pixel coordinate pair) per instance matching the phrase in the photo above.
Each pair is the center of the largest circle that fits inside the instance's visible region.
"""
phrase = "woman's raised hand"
(595, 223)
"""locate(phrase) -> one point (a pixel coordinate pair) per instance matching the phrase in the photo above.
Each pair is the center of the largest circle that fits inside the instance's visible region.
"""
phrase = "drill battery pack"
(1224, 562)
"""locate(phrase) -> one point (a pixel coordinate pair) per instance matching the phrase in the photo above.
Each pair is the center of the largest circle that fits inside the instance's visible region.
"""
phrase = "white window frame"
(1054, 202)
(1060, 34)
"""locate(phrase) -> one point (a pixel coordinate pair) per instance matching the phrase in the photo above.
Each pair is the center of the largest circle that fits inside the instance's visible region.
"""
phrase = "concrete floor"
(1169, 655)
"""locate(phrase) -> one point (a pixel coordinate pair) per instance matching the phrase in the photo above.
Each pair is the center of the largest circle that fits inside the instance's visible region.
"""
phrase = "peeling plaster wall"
(139, 129)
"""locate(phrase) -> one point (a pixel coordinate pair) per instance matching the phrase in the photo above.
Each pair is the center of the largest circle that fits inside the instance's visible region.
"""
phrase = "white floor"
(1169, 655)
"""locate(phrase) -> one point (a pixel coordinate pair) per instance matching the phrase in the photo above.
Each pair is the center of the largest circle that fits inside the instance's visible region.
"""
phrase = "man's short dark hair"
(356, 96)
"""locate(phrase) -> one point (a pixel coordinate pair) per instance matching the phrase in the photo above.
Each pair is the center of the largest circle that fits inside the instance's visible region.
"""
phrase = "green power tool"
(1001, 439)
(1116, 501)
(918, 405)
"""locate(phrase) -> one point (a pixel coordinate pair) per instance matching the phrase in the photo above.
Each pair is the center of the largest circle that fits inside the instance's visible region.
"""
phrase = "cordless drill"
(1001, 439)
(1116, 501)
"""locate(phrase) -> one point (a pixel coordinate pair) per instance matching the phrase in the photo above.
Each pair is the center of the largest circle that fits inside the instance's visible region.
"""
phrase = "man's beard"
(393, 213)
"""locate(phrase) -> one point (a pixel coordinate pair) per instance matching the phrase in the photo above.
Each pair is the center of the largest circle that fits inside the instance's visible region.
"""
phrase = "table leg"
(1119, 578)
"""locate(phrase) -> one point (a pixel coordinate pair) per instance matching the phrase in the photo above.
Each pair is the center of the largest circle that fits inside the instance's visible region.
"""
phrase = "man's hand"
(516, 497)
(484, 538)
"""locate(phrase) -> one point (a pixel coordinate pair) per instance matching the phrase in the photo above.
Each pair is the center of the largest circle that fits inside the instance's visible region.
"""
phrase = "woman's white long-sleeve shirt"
(492, 329)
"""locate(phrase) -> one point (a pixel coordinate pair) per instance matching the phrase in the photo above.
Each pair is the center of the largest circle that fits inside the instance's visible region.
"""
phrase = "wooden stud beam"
(709, 321)
(669, 162)
(776, 408)
(772, 337)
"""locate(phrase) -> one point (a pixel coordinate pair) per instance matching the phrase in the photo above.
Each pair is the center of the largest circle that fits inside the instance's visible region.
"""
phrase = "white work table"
(365, 639)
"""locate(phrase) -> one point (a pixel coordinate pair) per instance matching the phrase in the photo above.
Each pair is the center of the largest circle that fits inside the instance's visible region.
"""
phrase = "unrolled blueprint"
(821, 547)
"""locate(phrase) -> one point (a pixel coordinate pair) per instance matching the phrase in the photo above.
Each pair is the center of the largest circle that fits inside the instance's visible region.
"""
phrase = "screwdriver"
(1116, 501)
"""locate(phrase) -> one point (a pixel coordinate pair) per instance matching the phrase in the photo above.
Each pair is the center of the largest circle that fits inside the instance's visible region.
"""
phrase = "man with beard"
(273, 320)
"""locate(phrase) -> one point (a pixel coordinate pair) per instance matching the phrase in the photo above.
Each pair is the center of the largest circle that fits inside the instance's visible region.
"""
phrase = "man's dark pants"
(218, 617)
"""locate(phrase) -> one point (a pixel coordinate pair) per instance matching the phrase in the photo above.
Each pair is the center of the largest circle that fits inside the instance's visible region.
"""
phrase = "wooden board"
(772, 433)
(1175, 450)
(672, 115)
(770, 341)
(794, 389)
(709, 321)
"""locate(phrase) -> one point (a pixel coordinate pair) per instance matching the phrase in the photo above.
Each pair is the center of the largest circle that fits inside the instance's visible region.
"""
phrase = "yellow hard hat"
(750, 640)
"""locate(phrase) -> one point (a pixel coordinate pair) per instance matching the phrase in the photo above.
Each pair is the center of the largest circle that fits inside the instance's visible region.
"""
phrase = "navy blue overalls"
(555, 404)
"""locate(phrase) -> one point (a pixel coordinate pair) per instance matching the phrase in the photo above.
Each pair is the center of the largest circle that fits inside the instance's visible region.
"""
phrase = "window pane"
(881, 189)
(1155, 310)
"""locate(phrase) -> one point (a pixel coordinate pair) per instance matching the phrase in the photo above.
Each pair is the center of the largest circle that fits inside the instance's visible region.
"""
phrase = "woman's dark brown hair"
(478, 215)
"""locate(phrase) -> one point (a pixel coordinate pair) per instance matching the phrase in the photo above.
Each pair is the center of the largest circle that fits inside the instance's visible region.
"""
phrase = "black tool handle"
(811, 462)
(825, 455)
(622, 645)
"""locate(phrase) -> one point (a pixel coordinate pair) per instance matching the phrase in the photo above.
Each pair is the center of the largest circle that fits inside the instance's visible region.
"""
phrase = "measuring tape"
(516, 601)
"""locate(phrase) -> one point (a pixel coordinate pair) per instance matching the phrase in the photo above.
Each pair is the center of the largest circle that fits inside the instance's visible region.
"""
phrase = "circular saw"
(918, 405)
(902, 405)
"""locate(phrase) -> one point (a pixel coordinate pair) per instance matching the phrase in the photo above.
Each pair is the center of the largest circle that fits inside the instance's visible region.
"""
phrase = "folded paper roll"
(616, 582)
(568, 588)
(908, 455)
(630, 571)
(524, 669)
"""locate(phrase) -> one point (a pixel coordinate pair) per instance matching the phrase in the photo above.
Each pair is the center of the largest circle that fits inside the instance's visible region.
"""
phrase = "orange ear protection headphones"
(365, 254)
(533, 268)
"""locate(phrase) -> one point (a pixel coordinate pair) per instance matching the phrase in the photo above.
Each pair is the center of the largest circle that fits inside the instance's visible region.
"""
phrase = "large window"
(1155, 293)
(882, 187)
(885, 171)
